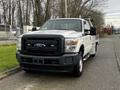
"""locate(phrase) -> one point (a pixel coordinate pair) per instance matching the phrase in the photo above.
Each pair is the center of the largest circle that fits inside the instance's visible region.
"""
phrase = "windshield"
(63, 24)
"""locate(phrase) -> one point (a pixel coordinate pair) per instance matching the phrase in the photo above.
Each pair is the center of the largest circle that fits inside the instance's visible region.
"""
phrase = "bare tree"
(62, 10)
(4, 10)
(20, 17)
(13, 13)
(36, 12)
(47, 10)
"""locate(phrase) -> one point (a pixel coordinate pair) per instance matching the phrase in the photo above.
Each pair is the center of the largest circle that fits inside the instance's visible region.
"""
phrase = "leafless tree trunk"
(9, 17)
(38, 15)
(47, 11)
(13, 13)
(27, 14)
(4, 11)
(20, 17)
(62, 9)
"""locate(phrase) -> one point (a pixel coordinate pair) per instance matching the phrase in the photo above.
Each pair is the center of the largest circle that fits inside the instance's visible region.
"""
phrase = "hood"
(65, 33)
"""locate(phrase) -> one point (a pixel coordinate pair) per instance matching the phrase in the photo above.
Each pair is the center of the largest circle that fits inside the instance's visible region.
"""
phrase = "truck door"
(87, 37)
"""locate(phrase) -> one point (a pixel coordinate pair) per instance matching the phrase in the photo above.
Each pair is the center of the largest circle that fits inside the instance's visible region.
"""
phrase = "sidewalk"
(7, 42)
(116, 43)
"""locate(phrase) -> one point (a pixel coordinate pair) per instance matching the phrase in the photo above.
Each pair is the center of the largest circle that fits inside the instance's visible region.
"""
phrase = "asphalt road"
(100, 73)
(116, 41)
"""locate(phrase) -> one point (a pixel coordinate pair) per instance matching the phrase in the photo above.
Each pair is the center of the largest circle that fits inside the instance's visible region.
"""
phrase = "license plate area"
(40, 61)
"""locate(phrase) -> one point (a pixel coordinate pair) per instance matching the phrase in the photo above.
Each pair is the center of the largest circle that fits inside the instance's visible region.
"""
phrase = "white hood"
(65, 33)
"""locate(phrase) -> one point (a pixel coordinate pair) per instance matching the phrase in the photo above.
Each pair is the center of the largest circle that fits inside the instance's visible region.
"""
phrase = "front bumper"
(62, 63)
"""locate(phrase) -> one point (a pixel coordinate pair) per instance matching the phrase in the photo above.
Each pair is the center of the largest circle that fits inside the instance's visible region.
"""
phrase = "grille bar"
(40, 61)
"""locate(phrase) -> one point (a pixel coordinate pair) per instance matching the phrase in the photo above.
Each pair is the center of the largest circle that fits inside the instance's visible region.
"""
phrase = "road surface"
(100, 73)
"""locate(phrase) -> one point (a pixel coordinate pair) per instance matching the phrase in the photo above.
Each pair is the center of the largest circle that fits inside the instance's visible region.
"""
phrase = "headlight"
(19, 43)
(71, 45)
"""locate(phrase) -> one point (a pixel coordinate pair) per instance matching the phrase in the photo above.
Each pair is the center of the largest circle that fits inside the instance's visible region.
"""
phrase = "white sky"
(112, 12)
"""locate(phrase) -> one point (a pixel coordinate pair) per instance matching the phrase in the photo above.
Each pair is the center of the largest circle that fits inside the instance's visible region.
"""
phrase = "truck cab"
(60, 45)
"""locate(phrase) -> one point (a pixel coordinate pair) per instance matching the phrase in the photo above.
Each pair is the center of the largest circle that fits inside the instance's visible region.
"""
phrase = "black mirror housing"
(93, 31)
(87, 32)
(34, 29)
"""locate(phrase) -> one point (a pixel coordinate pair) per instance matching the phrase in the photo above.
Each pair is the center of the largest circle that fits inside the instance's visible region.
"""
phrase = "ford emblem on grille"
(39, 45)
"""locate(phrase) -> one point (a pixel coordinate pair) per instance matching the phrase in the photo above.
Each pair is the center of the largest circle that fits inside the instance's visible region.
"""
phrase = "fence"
(7, 36)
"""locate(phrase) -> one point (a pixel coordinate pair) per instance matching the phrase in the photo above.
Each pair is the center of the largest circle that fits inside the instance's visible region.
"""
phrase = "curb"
(118, 62)
(116, 55)
(9, 72)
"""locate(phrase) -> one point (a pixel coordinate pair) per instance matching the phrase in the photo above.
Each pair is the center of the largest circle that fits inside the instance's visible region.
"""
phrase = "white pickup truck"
(60, 45)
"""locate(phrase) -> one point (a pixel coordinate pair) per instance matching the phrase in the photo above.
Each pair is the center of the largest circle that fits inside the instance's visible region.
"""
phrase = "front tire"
(78, 68)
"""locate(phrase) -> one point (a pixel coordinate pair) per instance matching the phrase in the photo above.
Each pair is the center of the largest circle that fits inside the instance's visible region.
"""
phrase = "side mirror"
(93, 31)
(84, 22)
(87, 32)
(34, 29)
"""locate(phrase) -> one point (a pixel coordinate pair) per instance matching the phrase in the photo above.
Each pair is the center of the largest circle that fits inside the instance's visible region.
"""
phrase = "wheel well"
(82, 49)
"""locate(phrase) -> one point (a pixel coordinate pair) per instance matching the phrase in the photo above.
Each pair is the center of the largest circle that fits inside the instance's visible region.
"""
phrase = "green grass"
(7, 57)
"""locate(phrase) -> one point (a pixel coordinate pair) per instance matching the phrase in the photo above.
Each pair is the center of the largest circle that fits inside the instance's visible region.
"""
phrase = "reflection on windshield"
(62, 24)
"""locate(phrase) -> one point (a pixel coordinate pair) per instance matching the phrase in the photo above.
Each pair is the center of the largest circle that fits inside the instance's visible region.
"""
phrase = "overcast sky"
(112, 12)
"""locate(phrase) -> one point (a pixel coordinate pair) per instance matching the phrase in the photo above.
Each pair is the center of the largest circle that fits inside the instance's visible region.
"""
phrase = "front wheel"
(78, 68)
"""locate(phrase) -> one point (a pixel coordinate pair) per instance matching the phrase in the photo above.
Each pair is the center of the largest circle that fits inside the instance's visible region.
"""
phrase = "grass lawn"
(7, 57)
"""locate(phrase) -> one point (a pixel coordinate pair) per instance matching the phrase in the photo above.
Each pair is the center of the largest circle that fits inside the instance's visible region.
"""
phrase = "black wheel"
(93, 55)
(78, 68)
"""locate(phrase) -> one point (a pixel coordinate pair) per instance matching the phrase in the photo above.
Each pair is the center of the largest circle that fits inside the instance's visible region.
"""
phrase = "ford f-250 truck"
(60, 45)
